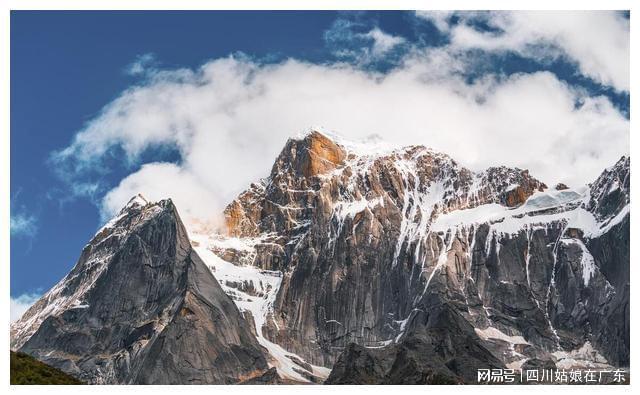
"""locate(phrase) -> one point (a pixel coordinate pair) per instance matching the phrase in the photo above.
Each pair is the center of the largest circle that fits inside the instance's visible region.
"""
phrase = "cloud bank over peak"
(228, 119)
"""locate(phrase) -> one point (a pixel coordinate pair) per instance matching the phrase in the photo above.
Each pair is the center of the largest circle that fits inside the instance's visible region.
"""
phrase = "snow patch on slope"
(370, 146)
(494, 333)
(583, 357)
(419, 204)
(259, 302)
(586, 260)
(345, 209)
(136, 201)
(504, 220)
(59, 298)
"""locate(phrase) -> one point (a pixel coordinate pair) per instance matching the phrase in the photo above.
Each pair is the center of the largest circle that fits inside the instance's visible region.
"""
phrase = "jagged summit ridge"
(140, 307)
(348, 252)
(70, 292)
(310, 156)
(307, 163)
(610, 193)
(425, 216)
(137, 200)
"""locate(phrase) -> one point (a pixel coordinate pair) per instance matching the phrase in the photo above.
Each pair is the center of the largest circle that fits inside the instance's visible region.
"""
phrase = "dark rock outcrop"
(610, 193)
(359, 253)
(140, 307)
(440, 347)
(539, 364)
(388, 266)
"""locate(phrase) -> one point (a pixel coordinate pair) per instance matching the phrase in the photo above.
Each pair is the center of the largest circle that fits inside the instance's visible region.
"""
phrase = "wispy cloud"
(141, 65)
(24, 220)
(382, 42)
(23, 224)
(20, 304)
(440, 18)
(598, 41)
(361, 42)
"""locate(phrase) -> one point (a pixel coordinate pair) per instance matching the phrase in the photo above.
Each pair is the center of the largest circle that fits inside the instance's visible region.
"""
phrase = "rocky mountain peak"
(313, 154)
(242, 214)
(318, 171)
(96, 256)
(356, 258)
(513, 185)
(610, 192)
(137, 200)
(141, 307)
(425, 216)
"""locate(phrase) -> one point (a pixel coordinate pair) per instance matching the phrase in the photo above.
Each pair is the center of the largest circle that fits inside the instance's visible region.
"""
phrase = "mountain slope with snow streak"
(254, 291)
(352, 252)
(369, 240)
(141, 307)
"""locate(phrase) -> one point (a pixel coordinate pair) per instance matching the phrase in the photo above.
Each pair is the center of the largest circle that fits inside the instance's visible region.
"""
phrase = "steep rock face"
(609, 194)
(348, 239)
(140, 307)
(315, 154)
(440, 347)
(609, 201)
(520, 185)
(366, 244)
(243, 214)
(387, 265)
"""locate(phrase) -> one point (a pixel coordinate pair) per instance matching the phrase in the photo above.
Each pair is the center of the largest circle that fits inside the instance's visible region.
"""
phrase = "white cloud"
(23, 224)
(230, 118)
(157, 181)
(440, 18)
(598, 41)
(141, 65)
(21, 304)
(382, 42)
(349, 41)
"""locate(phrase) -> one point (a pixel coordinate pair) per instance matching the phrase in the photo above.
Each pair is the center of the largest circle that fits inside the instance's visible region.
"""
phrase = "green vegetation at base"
(28, 370)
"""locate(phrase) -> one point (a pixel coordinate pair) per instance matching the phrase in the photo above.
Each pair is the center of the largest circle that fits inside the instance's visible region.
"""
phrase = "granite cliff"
(350, 263)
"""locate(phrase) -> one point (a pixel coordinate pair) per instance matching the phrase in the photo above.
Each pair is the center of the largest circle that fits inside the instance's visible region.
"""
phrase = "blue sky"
(65, 66)
(87, 130)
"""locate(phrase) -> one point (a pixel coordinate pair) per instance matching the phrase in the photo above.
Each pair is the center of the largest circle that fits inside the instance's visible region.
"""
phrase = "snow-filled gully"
(266, 284)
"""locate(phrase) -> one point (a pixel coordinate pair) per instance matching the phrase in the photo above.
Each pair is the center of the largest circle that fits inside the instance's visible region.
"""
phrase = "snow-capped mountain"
(350, 263)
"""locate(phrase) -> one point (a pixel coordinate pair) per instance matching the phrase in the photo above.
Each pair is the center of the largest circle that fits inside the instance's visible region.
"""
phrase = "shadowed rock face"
(389, 266)
(440, 347)
(609, 200)
(140, 307)
(361, 252)
(610, 193)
